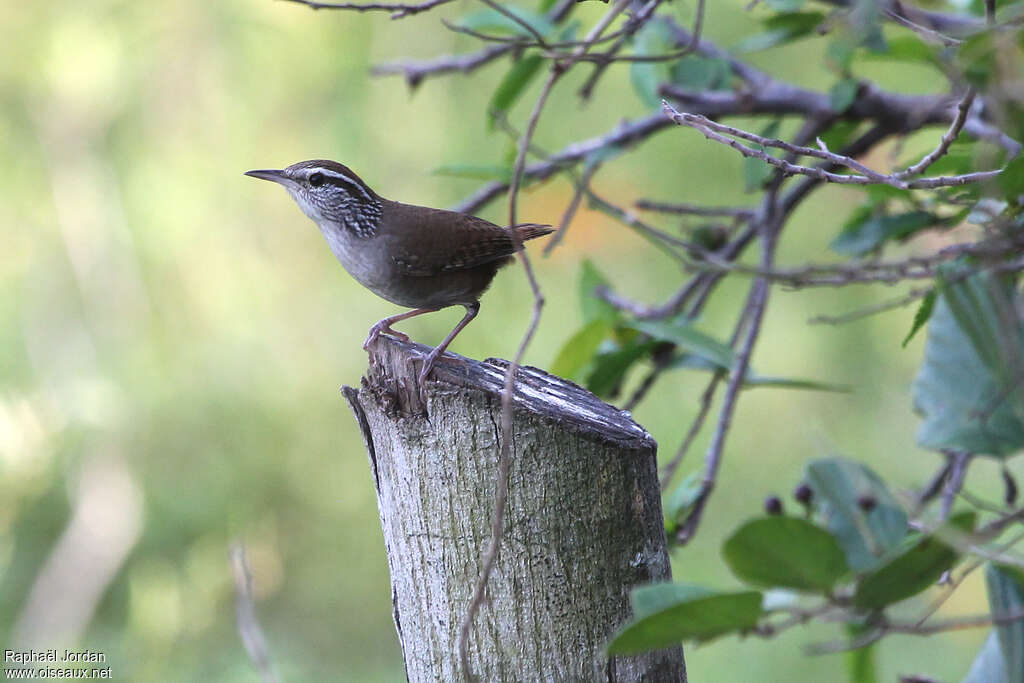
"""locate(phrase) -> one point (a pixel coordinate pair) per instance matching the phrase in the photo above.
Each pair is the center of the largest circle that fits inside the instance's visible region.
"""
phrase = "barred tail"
(529, 231)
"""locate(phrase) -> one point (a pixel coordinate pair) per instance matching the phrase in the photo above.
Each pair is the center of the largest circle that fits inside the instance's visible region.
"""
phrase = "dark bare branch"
(398, 9)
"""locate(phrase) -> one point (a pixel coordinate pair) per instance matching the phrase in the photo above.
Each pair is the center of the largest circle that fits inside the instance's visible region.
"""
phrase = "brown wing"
(435, 241)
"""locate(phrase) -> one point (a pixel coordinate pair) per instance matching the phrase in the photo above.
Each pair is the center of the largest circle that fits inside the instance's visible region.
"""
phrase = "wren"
(414, 256)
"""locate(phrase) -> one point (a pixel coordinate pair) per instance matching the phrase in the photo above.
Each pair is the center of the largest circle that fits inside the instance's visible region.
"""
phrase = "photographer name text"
(54, 655)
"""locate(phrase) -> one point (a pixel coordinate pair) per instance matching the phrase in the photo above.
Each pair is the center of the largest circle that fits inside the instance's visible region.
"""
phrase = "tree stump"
(583, 524)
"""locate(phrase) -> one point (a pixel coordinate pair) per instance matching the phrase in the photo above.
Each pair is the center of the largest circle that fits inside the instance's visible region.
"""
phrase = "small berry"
(803, 494)
(773, 505)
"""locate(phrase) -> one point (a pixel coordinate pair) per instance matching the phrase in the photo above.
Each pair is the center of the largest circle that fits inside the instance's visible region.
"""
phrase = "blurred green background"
(173, 335)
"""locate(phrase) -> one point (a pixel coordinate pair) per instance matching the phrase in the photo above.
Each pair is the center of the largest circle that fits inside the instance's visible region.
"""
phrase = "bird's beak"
(269, 174)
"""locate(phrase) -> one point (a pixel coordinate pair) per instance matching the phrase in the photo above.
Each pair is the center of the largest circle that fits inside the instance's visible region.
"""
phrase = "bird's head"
(329, 193)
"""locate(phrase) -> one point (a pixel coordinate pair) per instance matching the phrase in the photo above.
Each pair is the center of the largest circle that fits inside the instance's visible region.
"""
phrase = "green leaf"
(1011, 180)
(666, 614)
(839, 133)
(880, 194)
(841, 51)
(686, 337)
(864, 23)
(593, 307)
(653, 598)
(966, 391)
(924, 311)
(958, 160)
(490, 20)
(755, 174)
(978, 58)
(579, 351)
(866, 233)
(610, 367)
(842, 94)
(907, 48)
(512, 86)
(988, 666)
(913, 569)
(655, 38)
(475, 171)
(1006, 596)
(782, 28)
(790, 552)
(838, 483)
(701, 73)
(677, 505)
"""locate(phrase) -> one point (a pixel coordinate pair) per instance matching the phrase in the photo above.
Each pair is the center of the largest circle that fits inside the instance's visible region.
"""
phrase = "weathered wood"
(583, 524)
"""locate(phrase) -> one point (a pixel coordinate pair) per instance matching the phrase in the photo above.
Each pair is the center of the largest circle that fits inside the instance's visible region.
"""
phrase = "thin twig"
(913, 629)
(988, 252)
(959, 24)
(398, 10)
(249, 628)
(604, 59)
(627, 32)
(717, 132)
(766, 225)
(955, 481)
(947, 139)
(644, 387)
(625, 134)
(700, 284)
(754, 312)
(643, 312)
(669, 469)
(416, 71)
(933, 487)
(582, 187)
(504, 453)
(670, 244)
(955, 583)
(881, 307)
(530, 28)
(741, 212)
(928, 34)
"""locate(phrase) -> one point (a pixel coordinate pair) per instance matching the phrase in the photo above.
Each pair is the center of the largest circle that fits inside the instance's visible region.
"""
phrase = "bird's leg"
(471, 311)
(384, 326)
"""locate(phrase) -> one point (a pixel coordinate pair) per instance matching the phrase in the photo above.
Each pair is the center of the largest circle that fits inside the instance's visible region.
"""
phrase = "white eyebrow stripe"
(342, 177)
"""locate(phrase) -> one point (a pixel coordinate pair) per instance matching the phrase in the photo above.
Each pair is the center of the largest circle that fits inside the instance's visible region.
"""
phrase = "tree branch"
(398, 10)
(717, 132)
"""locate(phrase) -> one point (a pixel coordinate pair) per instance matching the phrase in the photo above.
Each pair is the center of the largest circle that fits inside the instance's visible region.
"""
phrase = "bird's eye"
(316, 179)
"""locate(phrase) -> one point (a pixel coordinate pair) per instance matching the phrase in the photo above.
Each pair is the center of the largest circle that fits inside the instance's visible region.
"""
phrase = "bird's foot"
(428, 365)
(383, 327)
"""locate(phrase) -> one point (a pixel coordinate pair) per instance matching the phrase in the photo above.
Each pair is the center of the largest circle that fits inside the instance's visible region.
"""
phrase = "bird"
(417, 257)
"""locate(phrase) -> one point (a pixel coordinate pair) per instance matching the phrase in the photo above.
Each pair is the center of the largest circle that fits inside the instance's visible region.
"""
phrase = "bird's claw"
(383, 328)
(421, 380)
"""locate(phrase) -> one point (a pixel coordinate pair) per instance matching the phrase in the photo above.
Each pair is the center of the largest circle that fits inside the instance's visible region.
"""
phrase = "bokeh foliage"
(172, 334)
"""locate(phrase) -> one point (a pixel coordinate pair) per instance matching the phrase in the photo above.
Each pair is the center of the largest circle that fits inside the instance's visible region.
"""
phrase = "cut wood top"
(394, 366)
